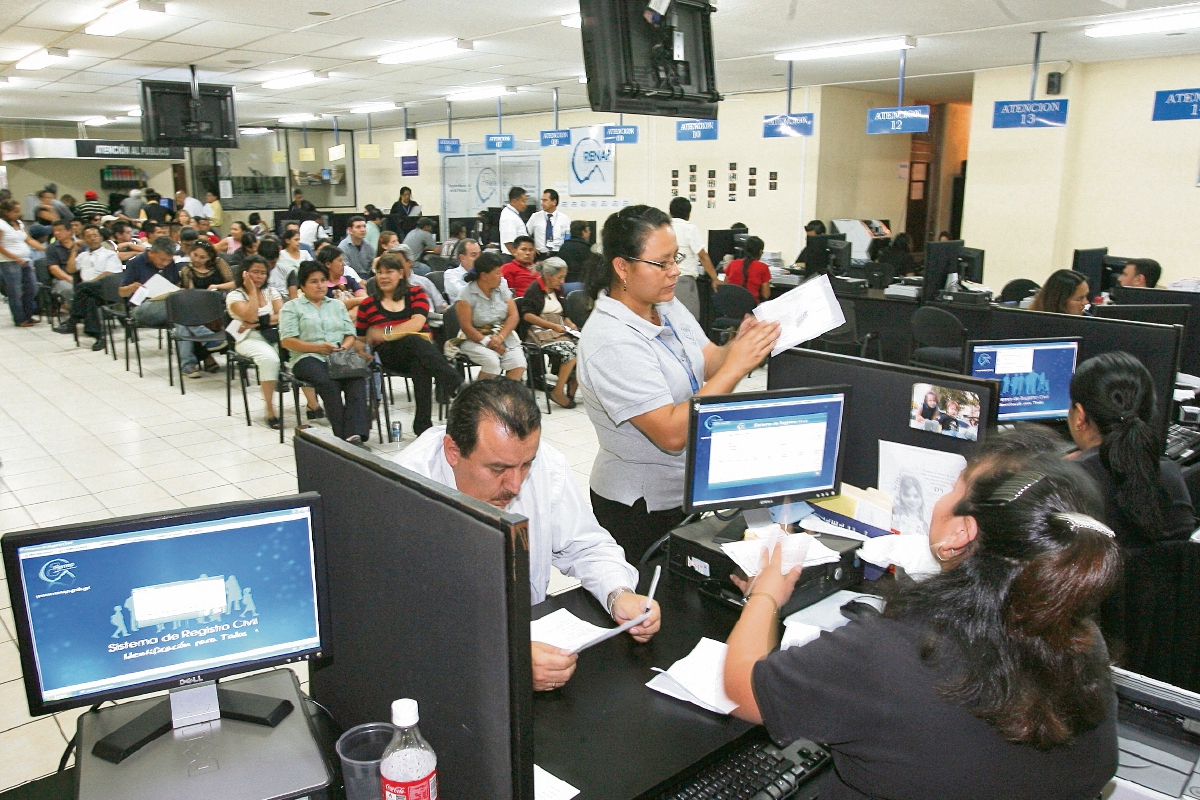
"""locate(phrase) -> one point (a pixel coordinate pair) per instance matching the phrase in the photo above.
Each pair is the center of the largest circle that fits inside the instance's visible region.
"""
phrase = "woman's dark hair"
(287, 235)
(815, 228)
(395, 262)
(209, 250)
(255, 218)
(307, 268)
(877, 246)
(624, 235)
(248, 239)
(329, 254)
(239, 273)
(387, 236)
(1117, 394)
(269, 248)
(1057, 291)
(6, 206)
(488, 261)
(753, 248)
(902, 242)
(1010, 628)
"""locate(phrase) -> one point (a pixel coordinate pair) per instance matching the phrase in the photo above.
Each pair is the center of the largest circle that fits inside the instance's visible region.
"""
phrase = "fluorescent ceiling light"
(849, 49)
(426, 52)
(298, 118)
(253, 131)
(299, 79)
(583, 78)
(43, 58)
(373, 108)
(96, 122)
(124, 16)
(480, 94)
(133, 112)
(1172, 22)
(572, 21)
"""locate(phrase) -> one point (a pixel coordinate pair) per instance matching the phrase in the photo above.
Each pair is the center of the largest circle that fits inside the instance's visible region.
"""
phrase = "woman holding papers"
(642, 356)
(988, 680)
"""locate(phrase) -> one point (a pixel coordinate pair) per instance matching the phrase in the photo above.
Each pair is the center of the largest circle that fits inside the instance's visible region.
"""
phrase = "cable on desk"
(66, 756)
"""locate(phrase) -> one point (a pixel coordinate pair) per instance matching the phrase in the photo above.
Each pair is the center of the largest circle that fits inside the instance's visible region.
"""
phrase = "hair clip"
(1013, 487)
(1076, 521)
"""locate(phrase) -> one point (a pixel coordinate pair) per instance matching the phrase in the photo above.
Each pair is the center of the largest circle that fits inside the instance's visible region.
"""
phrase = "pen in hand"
(653, 587)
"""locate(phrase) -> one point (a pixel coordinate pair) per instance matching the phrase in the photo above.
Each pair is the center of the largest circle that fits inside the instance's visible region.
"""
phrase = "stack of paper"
(548, 787)
(698, 678)
(803, 314)
(798, 549)
(798, 634)
(153, 289)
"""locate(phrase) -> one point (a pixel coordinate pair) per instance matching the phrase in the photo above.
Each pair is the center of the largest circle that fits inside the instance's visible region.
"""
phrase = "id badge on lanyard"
(687, 366)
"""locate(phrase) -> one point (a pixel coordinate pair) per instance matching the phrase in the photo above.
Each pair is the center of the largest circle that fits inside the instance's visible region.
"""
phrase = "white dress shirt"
(511, 226)
(537, 229)
(454, 279)
(310, 229)
(193, 207)
(563, 531)
(691, 242)
(94, 263)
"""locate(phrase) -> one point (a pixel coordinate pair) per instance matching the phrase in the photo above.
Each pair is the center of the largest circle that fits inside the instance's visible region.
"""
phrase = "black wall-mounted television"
(171, 118)
(641, 62)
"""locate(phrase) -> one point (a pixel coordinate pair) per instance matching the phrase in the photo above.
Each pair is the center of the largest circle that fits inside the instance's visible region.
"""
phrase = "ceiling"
(519, 43)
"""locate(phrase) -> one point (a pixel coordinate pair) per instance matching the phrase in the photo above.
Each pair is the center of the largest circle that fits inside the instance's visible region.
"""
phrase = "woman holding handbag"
(319, 334)
(393, 320)
(543, 322)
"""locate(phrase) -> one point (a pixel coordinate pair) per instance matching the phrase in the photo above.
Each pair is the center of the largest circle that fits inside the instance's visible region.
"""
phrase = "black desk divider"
(880, 404)
(429, 599)
(1156, 346)
(1139, 295)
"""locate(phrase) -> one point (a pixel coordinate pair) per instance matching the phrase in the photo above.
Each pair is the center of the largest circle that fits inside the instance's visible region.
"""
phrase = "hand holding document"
(698, 678)
(568, 632)
(153, 289)
(799, 549)
(803, 314)
(234, 329)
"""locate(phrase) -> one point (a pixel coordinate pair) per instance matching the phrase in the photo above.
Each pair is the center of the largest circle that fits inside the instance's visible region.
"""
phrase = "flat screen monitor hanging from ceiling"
(188, 114)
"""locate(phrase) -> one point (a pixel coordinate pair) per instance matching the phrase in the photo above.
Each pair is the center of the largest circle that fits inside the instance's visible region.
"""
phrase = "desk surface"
(605, 732)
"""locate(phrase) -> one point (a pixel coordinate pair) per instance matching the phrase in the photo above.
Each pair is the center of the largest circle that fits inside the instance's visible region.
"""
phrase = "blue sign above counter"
(450, 146)
(695, 130)
(1030, 114)
(499, 141)
(784, 125)
(1177, 104)
(900, 119)
(559, 138)
(620, 134)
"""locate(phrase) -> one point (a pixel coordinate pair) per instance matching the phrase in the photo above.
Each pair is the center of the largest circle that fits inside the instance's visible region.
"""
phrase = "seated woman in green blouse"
(311, 327)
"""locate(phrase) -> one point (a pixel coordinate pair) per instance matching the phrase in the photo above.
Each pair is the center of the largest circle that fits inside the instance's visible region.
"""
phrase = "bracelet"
(769, 597)
(614, 594)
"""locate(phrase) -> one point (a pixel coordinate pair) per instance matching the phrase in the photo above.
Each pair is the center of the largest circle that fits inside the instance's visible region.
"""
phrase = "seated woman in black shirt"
(988, 680)
(392, 318)
(1112, 406)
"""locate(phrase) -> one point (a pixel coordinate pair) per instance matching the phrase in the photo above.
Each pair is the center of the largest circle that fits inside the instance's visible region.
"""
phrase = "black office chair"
(732, 304)
(938, 338)
(437, 263)
(578, 307)
(438, 279)
(845, 339)
(48, 300)
(235, 361)
(192, 308)
(117, 311)
(1017, 290)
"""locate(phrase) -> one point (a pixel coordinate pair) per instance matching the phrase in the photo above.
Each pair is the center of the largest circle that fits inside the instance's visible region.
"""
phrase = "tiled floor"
(82, 439)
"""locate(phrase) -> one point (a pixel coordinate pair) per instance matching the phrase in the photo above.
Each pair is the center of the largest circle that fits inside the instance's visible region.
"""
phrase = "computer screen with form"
(765, 448)
(120, 613)
(1034, 374)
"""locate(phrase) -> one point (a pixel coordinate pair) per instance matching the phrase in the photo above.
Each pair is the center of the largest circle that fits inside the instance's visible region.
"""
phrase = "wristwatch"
(614, 594)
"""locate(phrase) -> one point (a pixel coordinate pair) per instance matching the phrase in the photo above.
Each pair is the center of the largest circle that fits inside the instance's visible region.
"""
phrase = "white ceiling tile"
(293, 43)
(212, 33)
(99, 47)
(57, 15)
(167, 53)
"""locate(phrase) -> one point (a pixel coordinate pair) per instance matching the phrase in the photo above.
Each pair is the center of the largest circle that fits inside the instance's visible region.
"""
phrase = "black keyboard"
(1182, 442)
(755, 769)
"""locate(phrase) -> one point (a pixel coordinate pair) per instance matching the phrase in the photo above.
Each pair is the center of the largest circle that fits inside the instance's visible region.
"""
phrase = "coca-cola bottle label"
(424, 789)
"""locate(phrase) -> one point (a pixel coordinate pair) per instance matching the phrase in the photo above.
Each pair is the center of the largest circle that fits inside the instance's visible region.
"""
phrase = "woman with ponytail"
(988, 680)
(1112, 405)
(751, 274)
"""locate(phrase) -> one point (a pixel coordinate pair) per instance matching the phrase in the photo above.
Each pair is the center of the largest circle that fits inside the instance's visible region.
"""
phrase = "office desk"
(605, 732)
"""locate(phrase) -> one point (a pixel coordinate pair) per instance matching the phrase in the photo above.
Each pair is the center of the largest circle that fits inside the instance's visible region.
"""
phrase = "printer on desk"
(1158, 733)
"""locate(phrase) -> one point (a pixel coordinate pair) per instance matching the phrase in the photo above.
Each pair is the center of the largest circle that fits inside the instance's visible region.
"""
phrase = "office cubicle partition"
(429, 599)
(880, 406)
(1166, 314)
(1139, 295)
(1156, 346)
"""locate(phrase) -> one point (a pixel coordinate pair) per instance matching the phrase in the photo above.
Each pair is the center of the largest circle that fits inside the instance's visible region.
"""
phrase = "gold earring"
(937, 553)
(624, 285)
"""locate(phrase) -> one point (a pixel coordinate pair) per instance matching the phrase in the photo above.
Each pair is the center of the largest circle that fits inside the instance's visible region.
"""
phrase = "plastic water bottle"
(409, 766)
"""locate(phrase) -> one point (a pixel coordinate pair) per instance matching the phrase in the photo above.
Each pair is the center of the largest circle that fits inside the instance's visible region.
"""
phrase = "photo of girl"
(950, 412)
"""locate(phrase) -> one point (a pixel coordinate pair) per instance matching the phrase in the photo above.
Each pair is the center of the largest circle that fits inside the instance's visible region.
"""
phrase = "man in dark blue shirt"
(158, 260)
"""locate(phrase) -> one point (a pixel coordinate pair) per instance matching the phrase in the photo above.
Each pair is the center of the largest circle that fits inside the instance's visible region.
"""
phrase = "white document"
(1184, 379)
(908, 552)
(153, 289)
(561, 584)
(916, 478)
(814, 524)
(548, 787)
(566, 631)
(234, 329)
(698, 678)
(798, 634)
(825, 614)
(573, 332)
(799, 549)
(803, 314)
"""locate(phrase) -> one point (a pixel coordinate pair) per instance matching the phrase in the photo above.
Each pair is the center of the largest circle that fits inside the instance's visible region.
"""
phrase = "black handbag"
(347, 364)
(267, 330)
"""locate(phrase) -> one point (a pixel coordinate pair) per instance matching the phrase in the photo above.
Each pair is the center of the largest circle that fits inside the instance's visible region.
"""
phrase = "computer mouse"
(857, 609)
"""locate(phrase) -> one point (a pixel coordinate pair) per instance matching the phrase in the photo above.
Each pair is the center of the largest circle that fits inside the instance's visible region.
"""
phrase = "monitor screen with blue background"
(749, 452)
(109, 612)
(1035, 376)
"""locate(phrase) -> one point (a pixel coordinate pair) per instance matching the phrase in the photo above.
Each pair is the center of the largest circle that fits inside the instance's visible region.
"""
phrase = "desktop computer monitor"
(839, 256)
(820, 252)
(970, 264)
(720, 244)
(106, 610)
(941, 259)
(1034, 374)
(760, 449)
(1091, 263)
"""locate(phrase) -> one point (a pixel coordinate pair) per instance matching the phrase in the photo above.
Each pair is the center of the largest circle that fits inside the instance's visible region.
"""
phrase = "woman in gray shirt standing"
(642, 356)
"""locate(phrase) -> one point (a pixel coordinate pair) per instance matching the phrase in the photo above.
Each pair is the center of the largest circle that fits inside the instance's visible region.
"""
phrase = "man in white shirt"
(548, 226)
(511, 224)
(491, 449)
(91, 262)
(455, 278)
(97, 260)
(692, 246)
(185, 202)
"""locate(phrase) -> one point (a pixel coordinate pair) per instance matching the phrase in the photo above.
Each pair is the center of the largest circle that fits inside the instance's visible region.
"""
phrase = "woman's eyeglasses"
(660, 264)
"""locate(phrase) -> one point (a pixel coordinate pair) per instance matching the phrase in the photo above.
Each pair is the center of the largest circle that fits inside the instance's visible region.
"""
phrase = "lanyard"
(687, 367)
